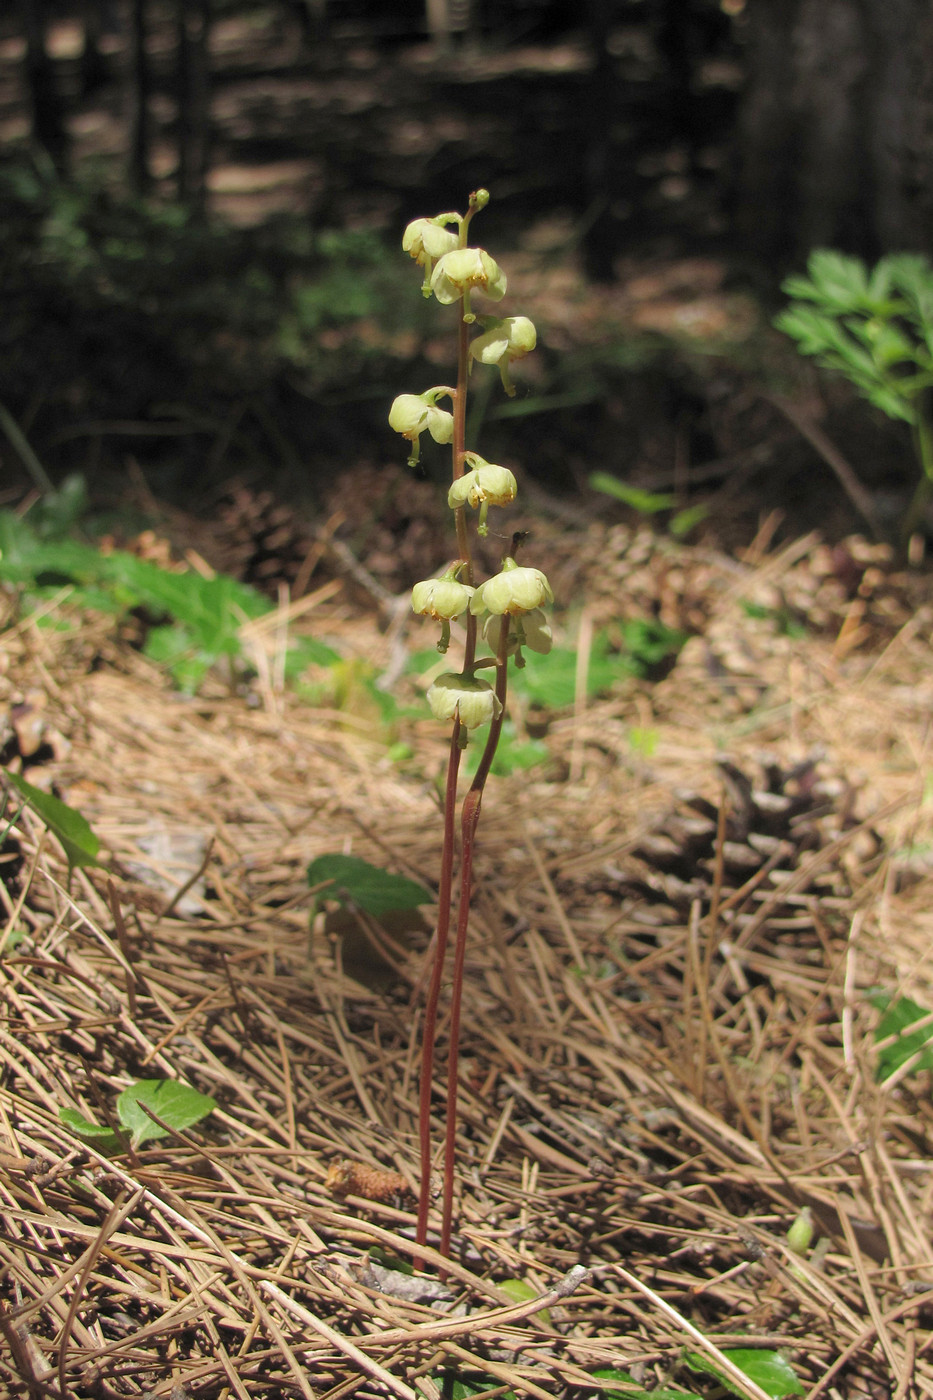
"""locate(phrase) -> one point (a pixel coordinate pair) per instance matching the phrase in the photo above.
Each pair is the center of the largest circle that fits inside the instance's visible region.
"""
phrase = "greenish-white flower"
(413, 414)
(517, 589)
(441, 598)
(502, 342)
(488, 482)
(454, 694)
(426, 240)
(467, 270)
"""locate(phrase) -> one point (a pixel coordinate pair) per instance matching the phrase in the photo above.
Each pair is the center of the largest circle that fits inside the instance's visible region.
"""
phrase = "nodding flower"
(485, 484)
(459, 694)
(443, 599)
(426, 240)
(467, 270)
(517, 589)
(503, 341)
(413, 414)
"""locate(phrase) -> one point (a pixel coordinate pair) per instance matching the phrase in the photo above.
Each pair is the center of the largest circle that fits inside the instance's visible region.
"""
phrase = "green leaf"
(634, 1391)
(511, 755)
(521, 1292)
(648, 643)
(12, 940)
(452, 1387)
(103, 1139)
(369, 887)
(72, 831)
(645, 502)
(380, 1255)
(551, 681)
(767, 1369)
(177, 1104)
(897, 1018)
(643, 741)
(686, 520)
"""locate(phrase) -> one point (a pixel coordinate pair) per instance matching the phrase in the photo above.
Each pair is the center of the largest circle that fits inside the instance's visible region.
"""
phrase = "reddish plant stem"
(445, 889)
(469, 819)
(429, 1031)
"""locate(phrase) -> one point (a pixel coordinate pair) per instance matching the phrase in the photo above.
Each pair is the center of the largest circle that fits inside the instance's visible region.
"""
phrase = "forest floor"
(683, 917)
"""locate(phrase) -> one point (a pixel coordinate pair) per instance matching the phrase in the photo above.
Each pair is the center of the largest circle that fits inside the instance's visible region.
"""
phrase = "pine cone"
(259, 540)
(397, 526)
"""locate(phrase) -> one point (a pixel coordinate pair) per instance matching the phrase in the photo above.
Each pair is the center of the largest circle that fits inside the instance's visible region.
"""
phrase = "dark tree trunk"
(193, 100)
(836, 130)
(600, 243)
(141, 80)
(94, 67)
(45, 101)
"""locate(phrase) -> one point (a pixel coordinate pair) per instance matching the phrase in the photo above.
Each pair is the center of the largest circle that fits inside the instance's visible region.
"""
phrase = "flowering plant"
(510, 603)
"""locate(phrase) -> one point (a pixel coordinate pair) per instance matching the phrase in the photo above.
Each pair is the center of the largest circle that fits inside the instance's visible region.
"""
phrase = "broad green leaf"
(768, 1369)
(71, 829)
(177, 1104)
(369, 887)
(551, 680)
(103, 1139)
(897, 1018)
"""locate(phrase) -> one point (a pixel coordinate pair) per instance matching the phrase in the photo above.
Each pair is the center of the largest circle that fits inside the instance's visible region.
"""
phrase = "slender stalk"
(429, 1032)
(469, 820)
(445, 890)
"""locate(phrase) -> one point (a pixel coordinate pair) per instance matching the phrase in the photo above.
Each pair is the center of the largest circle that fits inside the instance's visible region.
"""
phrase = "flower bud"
(517, 589)
(502, 342)
(800, 1234)
(413, 414)
(473, 700)
(465, 270)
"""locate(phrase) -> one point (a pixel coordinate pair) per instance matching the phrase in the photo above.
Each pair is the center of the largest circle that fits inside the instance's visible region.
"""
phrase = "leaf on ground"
(103, 1139)
(897, 1018)
(68, 826)
(634, 1391)
(769, 1370)
(177, 1104)
(369, 887)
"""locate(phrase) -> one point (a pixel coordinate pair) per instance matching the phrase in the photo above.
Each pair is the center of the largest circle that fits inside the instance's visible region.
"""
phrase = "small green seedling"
(69, 827)
(650, 503)
(875, 327)
(178, 1105)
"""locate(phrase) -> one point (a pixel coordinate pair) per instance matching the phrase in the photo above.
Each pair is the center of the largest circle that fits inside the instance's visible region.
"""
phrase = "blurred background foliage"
(202, 201)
